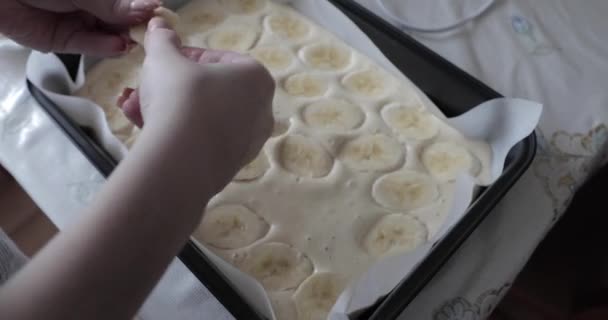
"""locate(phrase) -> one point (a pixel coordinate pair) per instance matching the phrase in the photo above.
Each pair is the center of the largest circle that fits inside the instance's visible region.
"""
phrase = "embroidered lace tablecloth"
(552, 51)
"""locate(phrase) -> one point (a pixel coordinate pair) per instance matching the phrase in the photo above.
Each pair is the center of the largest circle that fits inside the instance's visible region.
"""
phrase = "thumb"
(161, 40)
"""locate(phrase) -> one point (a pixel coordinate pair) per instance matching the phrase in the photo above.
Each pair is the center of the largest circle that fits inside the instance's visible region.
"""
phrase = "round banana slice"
(411, 123)
(333, 115)
(327, 56)
(306, 85)
(255, 169)
(405, 190)
(119, 124)
(275, 58)
(304, 157)
(369, 83)
(109, 85)
(282, 305)
(109, 78)
(375, 152)
(277, 266)
(200, 20)
(244, 6)
(233, 38)
(317, 295)
(288, 26)
(130, 141)
(231, 227)
(395, 233)
(446, 160)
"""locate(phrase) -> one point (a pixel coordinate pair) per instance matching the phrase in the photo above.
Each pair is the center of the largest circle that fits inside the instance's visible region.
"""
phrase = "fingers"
(67, 33)
(124, 96)
(74, 34)
(119, 11)
(94, 44)
(203, 56)
(161, 41)
(192, 53)
(128, 102)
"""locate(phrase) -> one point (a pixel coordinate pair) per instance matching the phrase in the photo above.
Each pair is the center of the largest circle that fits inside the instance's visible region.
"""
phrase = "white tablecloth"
(552, 51)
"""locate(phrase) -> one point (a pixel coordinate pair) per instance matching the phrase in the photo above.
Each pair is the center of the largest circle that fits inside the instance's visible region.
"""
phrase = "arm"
(104, 266)
(124, 242)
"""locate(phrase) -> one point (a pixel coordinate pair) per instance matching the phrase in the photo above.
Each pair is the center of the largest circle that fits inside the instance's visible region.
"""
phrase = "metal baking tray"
(450, 88)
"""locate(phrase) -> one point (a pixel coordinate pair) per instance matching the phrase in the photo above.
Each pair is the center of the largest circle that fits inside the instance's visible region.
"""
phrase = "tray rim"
(390, 306)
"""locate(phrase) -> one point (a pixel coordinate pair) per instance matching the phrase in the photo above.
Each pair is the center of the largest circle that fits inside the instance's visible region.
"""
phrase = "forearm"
(105, 265)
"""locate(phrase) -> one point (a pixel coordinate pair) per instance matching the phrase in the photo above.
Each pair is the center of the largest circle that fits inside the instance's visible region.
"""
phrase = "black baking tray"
(450, 88)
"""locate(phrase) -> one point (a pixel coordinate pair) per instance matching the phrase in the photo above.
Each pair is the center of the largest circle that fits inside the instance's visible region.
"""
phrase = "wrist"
(188, 149)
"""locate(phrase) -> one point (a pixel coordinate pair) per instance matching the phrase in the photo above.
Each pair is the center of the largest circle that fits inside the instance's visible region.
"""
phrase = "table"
(549, 51)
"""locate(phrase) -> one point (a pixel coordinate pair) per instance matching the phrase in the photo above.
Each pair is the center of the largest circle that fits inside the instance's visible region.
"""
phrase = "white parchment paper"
(501, 123)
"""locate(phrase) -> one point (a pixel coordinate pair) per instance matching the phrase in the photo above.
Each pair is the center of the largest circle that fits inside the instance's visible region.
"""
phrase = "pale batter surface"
(357, 168)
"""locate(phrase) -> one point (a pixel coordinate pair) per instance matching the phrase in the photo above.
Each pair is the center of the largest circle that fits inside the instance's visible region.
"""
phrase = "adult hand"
(91, 27)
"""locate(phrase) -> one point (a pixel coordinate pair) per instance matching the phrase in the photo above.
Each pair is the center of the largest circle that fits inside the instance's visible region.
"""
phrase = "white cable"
(404, 24)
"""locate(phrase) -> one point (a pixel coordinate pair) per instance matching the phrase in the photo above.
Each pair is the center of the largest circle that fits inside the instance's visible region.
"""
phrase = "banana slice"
(405, 190)
(445, 160)
(109, 77)
(288, 26)
(333, 115)
(275, 58)
(317, 295)
(196, 20)
(109, 85)
(411, 122)
(304, 157)
(231, 227)
(255, 169)
(129, 142)
(233, 38)
(376, 152)
(138, 32)
(395, 233)
(244, 6)
(119, 124)
(277, 266)
(369, 83)
(282, 305)
(306, 84)
(327, 56)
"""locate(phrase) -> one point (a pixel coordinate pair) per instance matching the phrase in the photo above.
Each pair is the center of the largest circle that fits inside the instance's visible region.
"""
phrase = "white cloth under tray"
(552, 51)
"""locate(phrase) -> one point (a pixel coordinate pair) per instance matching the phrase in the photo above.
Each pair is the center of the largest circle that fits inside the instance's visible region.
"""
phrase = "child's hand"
(223, 96)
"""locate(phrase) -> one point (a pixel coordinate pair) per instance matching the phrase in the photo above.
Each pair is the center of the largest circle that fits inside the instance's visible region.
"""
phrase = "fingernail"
(126, 93)
(144, 5)
(157, 22)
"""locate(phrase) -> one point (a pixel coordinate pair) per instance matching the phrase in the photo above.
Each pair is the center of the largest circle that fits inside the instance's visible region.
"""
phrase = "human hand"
(91, 27)
(202, 94)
